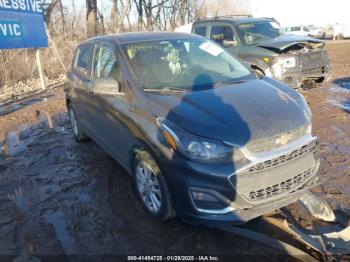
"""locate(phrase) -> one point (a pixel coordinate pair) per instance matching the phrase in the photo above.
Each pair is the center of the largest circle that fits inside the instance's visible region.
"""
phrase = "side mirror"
(229, 43)
(107, 86)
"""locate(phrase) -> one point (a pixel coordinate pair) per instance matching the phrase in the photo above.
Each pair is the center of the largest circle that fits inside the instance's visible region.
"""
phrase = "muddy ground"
(58, 197)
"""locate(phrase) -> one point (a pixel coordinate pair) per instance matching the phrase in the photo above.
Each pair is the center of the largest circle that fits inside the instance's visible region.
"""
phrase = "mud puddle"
(57, 220)
(344, 105)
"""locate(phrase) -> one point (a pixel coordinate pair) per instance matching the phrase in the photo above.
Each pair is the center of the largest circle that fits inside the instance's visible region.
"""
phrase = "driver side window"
(105, 63)
(222, 33)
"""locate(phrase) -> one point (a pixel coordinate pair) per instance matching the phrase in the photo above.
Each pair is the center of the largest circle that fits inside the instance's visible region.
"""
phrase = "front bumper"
(274, 187)
(312, 66)
(297, 78)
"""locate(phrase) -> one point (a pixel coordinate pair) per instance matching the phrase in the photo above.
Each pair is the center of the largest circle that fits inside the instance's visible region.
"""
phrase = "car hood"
(236, 113)
(279, 44)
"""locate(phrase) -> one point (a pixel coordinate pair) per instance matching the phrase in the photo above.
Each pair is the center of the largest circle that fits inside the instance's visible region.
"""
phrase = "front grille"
(280, 160)
(311, 60)
(268, 144)
(284, 186)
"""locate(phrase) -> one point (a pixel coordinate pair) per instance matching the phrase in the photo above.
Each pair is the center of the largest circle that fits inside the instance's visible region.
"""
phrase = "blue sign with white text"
(22, 24)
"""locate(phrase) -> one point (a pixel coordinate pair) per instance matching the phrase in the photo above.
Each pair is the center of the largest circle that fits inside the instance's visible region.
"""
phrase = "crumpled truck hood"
(237, 113)
(283, 42)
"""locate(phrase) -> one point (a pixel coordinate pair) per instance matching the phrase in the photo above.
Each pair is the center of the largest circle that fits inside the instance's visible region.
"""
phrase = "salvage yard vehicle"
(201, 135)
(304, 30)
(316, 31)
(341, 30)
(293, 60)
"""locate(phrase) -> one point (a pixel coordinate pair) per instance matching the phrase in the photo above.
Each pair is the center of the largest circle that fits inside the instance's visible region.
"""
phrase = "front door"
(111, 113)
(224, 35)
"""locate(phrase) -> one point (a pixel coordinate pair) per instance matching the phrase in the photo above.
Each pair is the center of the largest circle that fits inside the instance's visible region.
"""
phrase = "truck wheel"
(152, 188)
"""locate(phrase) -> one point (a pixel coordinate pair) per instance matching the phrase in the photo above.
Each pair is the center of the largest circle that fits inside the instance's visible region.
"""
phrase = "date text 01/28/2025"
(173, 258)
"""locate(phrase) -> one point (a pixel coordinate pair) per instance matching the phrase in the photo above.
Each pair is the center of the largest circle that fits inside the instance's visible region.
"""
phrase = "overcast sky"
(287, 12)
(293, 12)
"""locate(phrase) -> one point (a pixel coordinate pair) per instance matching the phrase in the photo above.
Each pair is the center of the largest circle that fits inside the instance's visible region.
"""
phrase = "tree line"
(136, 15)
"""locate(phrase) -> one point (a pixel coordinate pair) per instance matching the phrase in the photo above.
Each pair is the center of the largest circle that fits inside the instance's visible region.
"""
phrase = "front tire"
(152, 188)
(79, 135)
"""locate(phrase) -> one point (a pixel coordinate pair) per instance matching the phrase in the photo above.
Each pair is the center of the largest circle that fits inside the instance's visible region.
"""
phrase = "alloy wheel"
(148, 187)
(73, 122)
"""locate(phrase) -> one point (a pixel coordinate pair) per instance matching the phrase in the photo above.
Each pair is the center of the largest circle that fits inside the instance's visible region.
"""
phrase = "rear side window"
(81, 62)
(221, 33)
(200, 30)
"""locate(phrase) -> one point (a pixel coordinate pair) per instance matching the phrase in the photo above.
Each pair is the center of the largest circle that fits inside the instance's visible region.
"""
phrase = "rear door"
(80, 82)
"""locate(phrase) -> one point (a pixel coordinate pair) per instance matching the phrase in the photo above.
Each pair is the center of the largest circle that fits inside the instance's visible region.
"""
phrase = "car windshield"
(183, 65)
(253, 33)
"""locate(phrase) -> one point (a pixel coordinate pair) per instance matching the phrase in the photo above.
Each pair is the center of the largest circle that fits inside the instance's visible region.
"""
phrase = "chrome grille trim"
(282, 159)
(297, 182)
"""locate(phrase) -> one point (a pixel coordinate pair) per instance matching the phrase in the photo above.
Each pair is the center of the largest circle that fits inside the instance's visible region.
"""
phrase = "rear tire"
(152, 188)
(79, 135)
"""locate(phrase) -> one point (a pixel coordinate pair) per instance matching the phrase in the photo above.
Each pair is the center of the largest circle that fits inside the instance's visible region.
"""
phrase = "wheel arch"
(138, 147)
(255, 67)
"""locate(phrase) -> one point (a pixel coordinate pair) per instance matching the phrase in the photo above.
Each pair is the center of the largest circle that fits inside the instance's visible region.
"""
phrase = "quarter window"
(200, 30)
(105, 63)
(81, 62)
(221, 33)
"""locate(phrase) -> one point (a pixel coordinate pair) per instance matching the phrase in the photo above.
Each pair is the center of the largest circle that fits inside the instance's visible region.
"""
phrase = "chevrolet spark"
(202, 137)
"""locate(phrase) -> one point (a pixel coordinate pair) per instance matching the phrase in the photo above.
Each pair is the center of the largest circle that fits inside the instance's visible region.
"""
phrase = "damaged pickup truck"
(294, 60)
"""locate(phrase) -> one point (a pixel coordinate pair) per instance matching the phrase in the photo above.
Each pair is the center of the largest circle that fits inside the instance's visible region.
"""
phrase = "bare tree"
(91, 17)
(49, 6)
(139, 6)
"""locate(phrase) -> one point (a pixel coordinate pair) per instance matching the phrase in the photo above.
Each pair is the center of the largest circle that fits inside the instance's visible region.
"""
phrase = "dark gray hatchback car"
(199, 133)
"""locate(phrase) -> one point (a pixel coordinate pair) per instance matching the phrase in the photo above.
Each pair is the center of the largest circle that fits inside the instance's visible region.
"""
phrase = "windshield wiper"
(166, 89)
(220, 83)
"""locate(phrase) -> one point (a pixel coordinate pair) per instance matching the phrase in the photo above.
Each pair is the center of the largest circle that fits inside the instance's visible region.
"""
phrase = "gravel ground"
(62, 198)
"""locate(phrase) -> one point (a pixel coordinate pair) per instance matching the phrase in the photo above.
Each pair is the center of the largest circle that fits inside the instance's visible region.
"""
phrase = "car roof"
(123, 38)
(235, 20)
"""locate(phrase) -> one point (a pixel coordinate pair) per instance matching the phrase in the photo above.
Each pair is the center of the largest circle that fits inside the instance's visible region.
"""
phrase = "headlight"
(197, 148)
(281, 64)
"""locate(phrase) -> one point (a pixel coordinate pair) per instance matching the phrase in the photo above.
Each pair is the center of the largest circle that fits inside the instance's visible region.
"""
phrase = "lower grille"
(278, 189)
